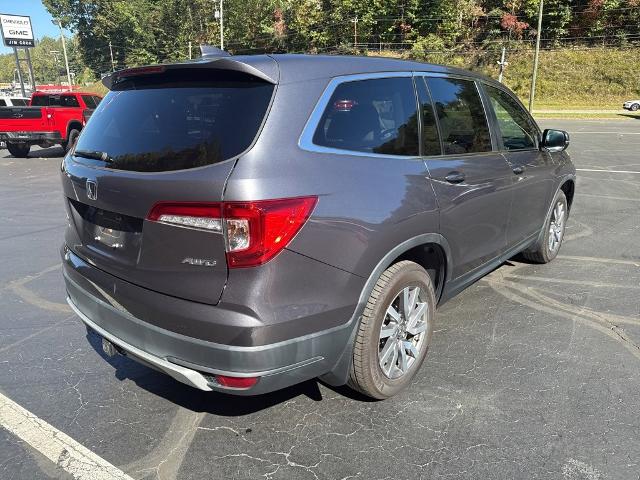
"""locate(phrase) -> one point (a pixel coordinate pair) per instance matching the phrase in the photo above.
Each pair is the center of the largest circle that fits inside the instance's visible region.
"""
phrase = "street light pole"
(64, 51)
(532, 94)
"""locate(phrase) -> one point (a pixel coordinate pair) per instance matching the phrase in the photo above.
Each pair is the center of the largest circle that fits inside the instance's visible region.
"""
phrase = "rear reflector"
(256, 231)
(235, 382)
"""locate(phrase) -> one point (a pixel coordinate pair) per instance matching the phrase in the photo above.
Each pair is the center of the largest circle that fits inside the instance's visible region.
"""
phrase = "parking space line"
(607, 171)
(607, 133)
(58, 447)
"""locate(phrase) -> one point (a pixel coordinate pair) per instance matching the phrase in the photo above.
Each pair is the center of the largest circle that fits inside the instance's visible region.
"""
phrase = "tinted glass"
(516, 127)
(89, 101)
(430, 137)
(69, 101)
(19, 102)
(3, 103)
(463, 124)
(40, 101)
(377, 116)
(96, 100)
(169, 123)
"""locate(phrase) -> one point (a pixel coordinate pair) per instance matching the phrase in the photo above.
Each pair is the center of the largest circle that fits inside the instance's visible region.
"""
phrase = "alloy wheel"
(556, 227)
(403, 332)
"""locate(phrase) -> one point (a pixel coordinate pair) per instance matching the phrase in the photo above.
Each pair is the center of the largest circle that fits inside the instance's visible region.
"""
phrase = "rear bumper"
(194, 361)
(31, 137)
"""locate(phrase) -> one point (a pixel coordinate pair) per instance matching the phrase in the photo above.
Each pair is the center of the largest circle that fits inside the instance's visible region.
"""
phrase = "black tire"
(71, 139)
(19, 150)
(542, 251)
(367, 376)
(635, 107)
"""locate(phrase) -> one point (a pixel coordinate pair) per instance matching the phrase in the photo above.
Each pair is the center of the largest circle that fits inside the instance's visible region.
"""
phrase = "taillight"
(256, 231)
(205, 216)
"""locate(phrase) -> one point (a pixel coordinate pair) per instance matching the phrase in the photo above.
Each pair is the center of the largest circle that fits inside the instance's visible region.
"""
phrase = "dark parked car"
(247, 223)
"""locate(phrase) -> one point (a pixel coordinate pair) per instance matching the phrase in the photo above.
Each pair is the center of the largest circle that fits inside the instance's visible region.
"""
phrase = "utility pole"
(221, 27)
(64, 51)
(56, 59)
(113, 63)
(532, 94)
(355, 31)
(502, 64)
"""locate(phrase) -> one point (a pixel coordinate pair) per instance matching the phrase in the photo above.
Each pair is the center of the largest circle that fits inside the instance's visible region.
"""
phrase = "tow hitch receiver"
(109, 348)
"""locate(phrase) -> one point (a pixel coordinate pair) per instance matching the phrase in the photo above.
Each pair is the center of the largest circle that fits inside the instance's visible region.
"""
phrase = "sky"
(40, 18)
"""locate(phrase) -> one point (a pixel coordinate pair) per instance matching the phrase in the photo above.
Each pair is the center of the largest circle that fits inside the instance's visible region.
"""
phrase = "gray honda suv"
(247, 223)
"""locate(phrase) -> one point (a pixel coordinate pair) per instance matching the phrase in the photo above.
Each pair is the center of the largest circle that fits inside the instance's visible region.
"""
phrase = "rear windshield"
(175, 121)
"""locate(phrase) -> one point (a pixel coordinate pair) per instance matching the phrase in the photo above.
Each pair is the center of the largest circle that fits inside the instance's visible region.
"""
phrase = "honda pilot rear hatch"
(164, 137)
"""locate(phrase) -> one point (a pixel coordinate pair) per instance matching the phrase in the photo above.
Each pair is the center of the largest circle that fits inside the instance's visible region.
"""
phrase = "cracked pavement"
(533, 371)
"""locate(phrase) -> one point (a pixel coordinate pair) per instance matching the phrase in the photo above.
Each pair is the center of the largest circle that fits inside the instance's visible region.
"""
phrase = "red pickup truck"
(50, 119)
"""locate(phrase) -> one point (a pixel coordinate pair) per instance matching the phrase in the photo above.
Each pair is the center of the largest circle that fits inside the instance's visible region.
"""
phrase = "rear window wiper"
(93, 155)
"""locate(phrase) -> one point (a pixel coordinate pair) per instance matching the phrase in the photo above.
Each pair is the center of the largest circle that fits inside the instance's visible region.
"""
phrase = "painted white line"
(58, 447)
(606, 133)
(607, 171)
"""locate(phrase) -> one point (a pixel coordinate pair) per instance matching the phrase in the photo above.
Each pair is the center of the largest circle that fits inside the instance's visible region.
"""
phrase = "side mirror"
(554, 140)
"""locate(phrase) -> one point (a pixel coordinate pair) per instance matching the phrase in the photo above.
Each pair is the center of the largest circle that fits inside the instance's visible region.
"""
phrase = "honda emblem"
(92, 190)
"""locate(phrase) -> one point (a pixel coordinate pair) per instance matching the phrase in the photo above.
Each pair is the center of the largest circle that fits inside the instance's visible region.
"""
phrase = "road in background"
(533, 372)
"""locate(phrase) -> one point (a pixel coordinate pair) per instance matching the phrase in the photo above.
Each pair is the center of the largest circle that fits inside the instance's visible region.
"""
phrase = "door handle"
(455, 177)
(519, 170)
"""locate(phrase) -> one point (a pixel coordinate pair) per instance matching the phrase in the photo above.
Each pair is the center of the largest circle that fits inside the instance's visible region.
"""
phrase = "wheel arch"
(569, 188)
(73, 124)
(415, 248)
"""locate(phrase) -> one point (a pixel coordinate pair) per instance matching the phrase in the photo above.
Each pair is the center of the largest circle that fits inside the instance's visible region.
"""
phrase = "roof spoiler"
(213, 62)
(211, 51)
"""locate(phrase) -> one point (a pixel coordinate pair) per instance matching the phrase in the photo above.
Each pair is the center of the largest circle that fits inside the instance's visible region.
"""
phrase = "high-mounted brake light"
(133, 72)
(256, 231)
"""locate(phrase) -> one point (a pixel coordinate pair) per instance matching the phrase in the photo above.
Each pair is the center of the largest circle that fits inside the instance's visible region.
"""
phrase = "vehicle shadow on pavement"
(215, 403)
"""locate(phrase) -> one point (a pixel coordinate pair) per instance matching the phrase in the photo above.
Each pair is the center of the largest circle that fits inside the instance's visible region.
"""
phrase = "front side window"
(3, 103)
(19, 102)
(89, 101)
(463, 123)
(516, 127)
(376, 116)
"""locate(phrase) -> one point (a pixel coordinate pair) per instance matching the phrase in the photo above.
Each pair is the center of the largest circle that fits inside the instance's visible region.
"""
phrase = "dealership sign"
(16, 31)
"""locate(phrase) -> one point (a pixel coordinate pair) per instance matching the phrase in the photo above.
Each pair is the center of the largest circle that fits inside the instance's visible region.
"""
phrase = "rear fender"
(340, 372)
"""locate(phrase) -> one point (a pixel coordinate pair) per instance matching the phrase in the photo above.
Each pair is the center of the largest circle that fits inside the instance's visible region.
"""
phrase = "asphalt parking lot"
(533, 371)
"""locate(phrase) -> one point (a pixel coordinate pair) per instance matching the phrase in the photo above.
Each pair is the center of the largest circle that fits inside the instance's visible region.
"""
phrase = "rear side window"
(516, 127)
(430, 137)
(40, 101)
(69, 101)
(463, 123)
(19, 102)
(376, 116)
(176, 120)
(89, 101)
(3, 103)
